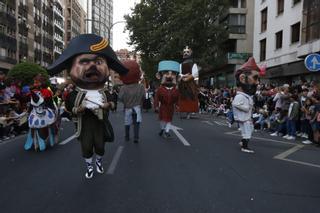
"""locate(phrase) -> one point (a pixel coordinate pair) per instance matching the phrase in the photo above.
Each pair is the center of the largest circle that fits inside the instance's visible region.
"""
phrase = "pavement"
(200, 169)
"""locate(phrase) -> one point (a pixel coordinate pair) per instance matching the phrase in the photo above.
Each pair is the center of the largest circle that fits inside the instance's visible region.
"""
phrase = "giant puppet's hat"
(134, 74)
(87, 43)
(252, 65)
(169, 66)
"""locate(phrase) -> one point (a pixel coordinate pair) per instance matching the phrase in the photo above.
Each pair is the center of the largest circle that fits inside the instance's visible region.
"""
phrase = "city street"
(200, 169)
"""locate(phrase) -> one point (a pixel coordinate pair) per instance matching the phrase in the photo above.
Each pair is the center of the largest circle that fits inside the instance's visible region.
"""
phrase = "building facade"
(30, 30)
(238, 47)
(100, 18)
(283, 36)
(75, 20)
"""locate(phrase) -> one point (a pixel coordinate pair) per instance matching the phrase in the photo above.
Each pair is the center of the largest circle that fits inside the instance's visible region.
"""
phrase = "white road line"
(263, 139)
(301, 162)
(288, 152)
(231, 133)
(208, 122)
(181, 138)
(115, 160)
(67, 140)
(217, 122)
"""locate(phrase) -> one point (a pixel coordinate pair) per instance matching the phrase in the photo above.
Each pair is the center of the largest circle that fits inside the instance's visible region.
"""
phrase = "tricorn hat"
(90, 44)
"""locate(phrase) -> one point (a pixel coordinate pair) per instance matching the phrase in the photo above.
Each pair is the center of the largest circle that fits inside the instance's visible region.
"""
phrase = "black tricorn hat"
(87, 43)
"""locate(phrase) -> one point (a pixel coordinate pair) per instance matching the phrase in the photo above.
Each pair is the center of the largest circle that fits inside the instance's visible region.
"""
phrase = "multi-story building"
(238, 47)
(100, 18)
(310, 32)
(285, 32)
(75, 19)
(30, 30)
(8, 39)
(58, 28)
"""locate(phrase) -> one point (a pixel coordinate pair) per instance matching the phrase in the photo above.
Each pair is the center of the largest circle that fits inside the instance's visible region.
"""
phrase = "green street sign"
(239, 56)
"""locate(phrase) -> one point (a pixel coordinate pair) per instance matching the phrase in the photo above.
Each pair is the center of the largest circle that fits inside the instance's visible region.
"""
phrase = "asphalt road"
(200, 169)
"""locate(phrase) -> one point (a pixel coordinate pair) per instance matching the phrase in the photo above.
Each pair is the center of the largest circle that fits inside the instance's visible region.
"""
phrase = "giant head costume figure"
(247, 76)
(88, 59)
(168, 72)
(134, 74)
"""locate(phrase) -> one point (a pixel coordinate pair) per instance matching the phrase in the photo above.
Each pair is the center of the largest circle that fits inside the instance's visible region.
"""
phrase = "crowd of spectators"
(288, 111)
(15, 105)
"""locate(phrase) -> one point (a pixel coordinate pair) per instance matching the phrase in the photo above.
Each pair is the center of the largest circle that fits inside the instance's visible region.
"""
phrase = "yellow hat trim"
(101, 45)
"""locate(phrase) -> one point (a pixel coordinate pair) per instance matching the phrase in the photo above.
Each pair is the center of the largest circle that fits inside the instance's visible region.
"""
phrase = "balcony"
(23, 29)
(23, 48)
(8, 60)
(59, 26)
(58, 38)
(8, 19)
(58, 11)
(23, 10)
(8, 42)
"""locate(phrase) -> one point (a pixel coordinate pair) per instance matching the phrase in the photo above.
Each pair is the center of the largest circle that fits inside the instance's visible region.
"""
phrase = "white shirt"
(242, 107)
(93, 96)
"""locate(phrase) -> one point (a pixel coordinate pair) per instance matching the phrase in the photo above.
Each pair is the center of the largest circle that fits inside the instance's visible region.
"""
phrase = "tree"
(160, 29)
(26, 71)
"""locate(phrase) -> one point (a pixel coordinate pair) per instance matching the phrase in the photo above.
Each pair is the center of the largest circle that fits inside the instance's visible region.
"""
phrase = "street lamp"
(104, 24)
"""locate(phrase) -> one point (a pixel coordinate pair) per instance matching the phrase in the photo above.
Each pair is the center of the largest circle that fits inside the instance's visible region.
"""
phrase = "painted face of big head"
(168, 78)
(89, 71)
(248, 80)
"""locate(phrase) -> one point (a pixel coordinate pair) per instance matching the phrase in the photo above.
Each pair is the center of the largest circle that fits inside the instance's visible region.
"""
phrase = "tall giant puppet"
(167, 95)
(247, 79)
(188, 89)
(88, 59)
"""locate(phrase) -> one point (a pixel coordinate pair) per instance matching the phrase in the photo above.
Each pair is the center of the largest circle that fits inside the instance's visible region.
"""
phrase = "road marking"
(288, 152)
(181, 138)
(232, 133)
(282, 156)
(115, 160)
(208, 122)
(259, 138)
(300, 162)
(67, 140)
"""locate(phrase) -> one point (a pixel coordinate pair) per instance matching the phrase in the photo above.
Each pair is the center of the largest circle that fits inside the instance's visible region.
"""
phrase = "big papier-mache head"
(88, 58)
(168, 72)
(134, 73)
(247, 76)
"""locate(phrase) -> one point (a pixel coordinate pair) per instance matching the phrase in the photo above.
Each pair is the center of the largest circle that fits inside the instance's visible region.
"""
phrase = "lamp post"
(104, 24)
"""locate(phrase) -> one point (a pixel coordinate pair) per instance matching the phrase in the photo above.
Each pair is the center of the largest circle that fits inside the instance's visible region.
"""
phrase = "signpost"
(312, 62)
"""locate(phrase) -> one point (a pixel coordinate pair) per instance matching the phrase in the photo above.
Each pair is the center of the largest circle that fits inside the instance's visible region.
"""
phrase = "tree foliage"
(160, 29)
(25, 72)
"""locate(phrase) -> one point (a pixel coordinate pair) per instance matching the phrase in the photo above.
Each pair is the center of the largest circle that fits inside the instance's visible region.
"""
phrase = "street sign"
(239, 56)
(312, 62)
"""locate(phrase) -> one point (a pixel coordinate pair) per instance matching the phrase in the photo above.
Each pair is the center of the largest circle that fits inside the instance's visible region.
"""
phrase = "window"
(2, 29)
(234, 3)
(243, 3)
(237, 23)
(295, 32)
(280, 6)
(279, 40)
(2, 7)
(296, 2)
(264, 18)
(312, 28)
(2, 51)
(263, 45)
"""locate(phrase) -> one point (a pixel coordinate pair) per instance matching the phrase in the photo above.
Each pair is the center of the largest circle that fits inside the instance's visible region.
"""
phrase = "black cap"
(87, 43)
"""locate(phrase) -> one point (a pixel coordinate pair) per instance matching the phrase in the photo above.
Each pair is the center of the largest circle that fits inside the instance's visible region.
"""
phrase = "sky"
(120, 8)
